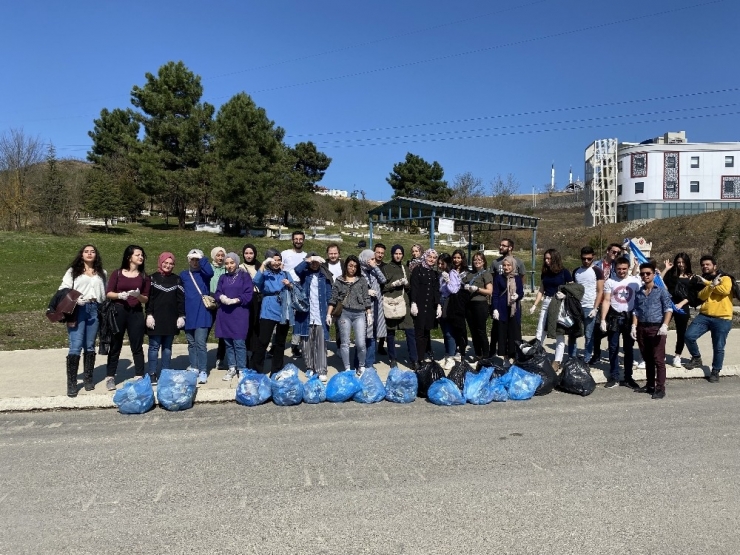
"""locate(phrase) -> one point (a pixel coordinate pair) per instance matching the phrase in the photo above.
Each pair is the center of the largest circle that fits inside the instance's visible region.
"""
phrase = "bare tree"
(466, 188)
(502, 189)
(18, 154)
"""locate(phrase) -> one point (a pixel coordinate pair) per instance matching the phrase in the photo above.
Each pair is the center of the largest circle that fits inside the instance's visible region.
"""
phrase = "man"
(291, 259)
(336, 267)
(715, 316)
(593, 286)
(379, 251)
(608, 270)
(616, 320)
(653, 311)
(505, 248)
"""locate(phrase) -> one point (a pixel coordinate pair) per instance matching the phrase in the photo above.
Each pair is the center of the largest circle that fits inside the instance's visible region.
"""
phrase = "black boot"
(88, 367)
(73, 363)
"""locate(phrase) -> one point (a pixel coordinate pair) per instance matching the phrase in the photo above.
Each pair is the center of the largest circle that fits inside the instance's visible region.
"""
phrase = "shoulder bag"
(208, 301)
(394, 308)
(337, 312)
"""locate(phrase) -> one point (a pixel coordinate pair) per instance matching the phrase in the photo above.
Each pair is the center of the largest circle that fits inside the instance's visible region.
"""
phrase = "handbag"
(394, 308)
(209, 302)
(564, 317)
(337, 312)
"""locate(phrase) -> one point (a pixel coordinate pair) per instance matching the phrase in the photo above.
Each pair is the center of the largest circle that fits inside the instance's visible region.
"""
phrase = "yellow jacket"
(717, 301)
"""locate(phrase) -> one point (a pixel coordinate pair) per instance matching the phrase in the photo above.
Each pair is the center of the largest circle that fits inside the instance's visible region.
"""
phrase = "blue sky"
(480, 86)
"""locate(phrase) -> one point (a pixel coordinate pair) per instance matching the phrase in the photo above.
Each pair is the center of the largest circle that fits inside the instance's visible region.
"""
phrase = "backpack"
(735, 287)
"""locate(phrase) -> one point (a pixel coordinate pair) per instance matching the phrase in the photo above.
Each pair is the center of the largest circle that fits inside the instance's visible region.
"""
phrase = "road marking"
(159, 494)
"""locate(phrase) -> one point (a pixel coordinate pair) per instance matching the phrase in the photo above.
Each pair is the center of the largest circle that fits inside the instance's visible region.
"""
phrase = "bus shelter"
(426, 213)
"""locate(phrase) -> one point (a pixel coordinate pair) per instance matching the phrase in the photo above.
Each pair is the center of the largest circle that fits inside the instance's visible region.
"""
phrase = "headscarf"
(395, 248)
(270, 253)
(511, 285)
(235, 258)
(214, 252)
(424, 262)
(414, 262)
(162, 257)
(365, 257)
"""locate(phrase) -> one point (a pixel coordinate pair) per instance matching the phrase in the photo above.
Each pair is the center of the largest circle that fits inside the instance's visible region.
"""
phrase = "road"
(615, 472)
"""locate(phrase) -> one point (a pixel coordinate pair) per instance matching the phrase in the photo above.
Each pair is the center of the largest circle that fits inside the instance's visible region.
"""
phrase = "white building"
(668, 176)
(337, 193)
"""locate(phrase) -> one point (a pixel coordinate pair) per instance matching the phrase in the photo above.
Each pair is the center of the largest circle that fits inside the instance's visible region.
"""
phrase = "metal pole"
(431, 230)
(470, 242)
(370, 220)
(534, 258)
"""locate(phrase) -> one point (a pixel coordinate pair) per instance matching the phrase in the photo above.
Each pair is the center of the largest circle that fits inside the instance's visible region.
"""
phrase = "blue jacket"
(275, 297)
(196, 313)
(302, 319)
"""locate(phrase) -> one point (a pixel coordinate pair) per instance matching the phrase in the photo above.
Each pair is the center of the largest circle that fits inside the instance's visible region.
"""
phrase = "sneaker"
(153, 378)
(629, 382)
(323, 378)
(296, 351)
(641, 366)
(677, 362)
(221, 365)
(202, 377)
(110, 383)
(714, 376)
(611, 384)
(658, 394)
(359, 372)
(227, 378)
(695, 362)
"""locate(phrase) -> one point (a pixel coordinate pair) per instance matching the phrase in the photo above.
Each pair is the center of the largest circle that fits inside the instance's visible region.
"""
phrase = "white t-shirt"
(291, 259)
(588, 278)
(335, 269)
(622, 292)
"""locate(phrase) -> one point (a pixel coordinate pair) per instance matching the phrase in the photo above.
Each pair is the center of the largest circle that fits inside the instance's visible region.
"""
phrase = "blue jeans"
(450, 345)
(155, 342)
(718, 327)
(348, 321)
(236, 353)
(197, 348)
(588, 336)
(82, 335)
(370, 348)
(410, 345)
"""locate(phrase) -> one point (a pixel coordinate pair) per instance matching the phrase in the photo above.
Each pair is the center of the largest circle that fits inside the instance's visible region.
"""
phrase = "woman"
(85, 275)
(416, 257)
(218, 257)
(425, 299)
(234, 293)
(128, 288)
(351, 290)
(508, 291)
(552, 277)
(316, 282)
(376, 327)
(479, 285)
(275, 315)
(250, 265)
(449, 284)
(454, 312)
(397, 287)
(677, 278)
(198, 319)
(165, 312)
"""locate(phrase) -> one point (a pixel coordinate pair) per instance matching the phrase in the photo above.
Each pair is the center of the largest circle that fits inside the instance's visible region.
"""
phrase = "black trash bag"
(457, 373)
(428, 373)
(485, 363)
(576, 378)
(531, 356)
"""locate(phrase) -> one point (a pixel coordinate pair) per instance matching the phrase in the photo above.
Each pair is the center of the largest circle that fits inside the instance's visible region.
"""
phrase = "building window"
(671, 188)
(731, 186)
(694, 161)
(619, 166)
(670, 162)
(694, 186)
(670, 176)
(729, 161)
(639, 187)
(619, 190)
(639, 164)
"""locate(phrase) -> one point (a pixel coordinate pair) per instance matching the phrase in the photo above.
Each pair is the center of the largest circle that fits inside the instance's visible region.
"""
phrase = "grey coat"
(376, 280)
(357, 299)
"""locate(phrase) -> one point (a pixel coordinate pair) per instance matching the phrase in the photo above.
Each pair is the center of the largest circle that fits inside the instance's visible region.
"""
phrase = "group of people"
(253, 304)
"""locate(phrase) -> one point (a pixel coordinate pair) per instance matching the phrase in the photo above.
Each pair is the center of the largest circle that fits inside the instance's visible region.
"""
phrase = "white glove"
(495, 314)
(123, 295)
(663, 330)
(180, 322)
(369, 319)
(560, 295)
(593, 312)
(234, 301)
(372, 293)
(515, 297)
(532, 308)
(223, 299)
(328, 319)
(81, 301)
(150, 322)
(602, 325)
(633, 333)
(439, 311)
(716, 281)
(135, 293)
(404, 282)
(397, 283)
(446, 277)
(318, 259)
(268, 261)
(471, 288)
(414, 309)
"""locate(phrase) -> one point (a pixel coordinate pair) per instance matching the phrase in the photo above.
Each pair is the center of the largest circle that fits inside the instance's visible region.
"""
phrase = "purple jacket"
(232, 321)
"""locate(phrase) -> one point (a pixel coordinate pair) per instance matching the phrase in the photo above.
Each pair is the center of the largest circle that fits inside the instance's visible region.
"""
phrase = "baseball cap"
(195, 253)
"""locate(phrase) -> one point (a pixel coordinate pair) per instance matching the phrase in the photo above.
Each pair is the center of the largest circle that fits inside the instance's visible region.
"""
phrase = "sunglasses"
(615, 252)
(646, 273)
(587, 258)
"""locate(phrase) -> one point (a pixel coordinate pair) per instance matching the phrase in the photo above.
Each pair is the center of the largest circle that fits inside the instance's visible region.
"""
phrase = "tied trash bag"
(497, 390)
(428, 373)
(342, 387)
(444, 392)
(253, 389)
(576, 378)
(176, 389)
(314, 390)
(458, 373)
(287, 389)
(401, 386)
(373, 390)
(135, 396)
(531, 356)
(476, 390)
(522, 384)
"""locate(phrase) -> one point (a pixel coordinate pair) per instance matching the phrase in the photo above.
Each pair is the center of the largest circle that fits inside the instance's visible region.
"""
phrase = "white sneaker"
(229, 375)
(203, 377)
(323, 378)
(677, 362)
(641, 366)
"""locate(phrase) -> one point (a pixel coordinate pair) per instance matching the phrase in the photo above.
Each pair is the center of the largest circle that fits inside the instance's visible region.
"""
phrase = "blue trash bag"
(314, 390)
(342, 387)
(401, 386)
(522, 384)
(497, 390)
(253, 389)
(373, 390)
(476, 389)
(135, 396)
(287, 389)
(176, 389)
(444, 392)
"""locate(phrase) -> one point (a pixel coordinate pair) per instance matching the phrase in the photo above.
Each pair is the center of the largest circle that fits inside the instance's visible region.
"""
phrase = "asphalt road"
(613, 473)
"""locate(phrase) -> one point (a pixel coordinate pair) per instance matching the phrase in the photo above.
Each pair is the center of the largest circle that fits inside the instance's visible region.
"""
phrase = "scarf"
(424, 262)
(511, 285)
(162, 257)
(214, 252)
